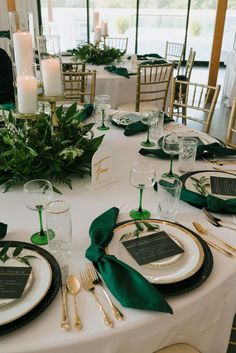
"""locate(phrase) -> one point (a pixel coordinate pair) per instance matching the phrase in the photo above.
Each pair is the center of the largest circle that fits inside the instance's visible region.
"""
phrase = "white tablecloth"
(202, 317)
(122, 90)
(229, 86)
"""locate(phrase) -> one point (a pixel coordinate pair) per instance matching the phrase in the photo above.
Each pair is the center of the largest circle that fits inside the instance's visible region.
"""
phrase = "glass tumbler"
(187, 155)
(59, 222)
(168, 194)
(156, 128)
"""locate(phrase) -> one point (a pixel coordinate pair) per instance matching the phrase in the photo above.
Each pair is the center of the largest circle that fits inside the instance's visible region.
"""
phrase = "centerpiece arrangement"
(94, 54)
(38, 150)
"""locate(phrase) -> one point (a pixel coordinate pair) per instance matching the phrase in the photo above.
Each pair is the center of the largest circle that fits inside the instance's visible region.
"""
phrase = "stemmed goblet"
(102, 103)
(142, 176)
(170, 145)
(147, 119)
(37, 194)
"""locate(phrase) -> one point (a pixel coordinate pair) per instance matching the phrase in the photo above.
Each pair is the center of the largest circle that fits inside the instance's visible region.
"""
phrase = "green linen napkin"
(137, 127)
(3, 230)
(86, 111)
(212, 149)
(121, 71)
(145, 56)
(127, 285)
(210, 202)
(154, 62)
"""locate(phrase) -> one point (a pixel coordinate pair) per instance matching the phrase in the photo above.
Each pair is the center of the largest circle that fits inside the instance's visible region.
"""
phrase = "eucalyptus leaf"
(18, 250)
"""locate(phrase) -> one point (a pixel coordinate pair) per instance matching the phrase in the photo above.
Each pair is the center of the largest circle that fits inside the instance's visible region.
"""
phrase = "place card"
(223, 186)
(13, 281)
(152, 247)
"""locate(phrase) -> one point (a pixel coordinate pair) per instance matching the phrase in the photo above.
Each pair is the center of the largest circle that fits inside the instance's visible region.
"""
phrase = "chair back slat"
(194, 97)
(231, 130)
(79, 86)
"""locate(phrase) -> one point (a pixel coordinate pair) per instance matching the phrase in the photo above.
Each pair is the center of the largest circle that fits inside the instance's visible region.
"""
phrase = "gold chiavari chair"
(231, 126)
(74, 67)
(188, 66)
(118, 43)
(151, 88)
(79, 86)
(174, 52)
(192, 97)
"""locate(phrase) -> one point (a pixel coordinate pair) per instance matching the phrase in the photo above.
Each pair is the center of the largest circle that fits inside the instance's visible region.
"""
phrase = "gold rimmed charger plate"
(175, 270)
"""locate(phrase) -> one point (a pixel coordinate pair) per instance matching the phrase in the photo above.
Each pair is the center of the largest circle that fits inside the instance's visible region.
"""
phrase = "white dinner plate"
(123, 119)
(15, 263)
(189, 184)
(38, 289)
(167, 270)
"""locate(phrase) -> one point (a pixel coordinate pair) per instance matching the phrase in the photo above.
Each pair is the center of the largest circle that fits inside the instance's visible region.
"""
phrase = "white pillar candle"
(104, 29)
(27, 87)
(97, 34)
(96, 16)
(51, 74)
(50, 11)
(23, 51)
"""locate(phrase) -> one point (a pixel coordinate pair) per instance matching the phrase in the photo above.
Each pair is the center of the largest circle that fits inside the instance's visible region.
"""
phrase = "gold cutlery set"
(70, 284)
(225, 248)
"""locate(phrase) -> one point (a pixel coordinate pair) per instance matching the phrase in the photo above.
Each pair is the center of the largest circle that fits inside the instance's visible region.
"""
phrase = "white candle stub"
(96, 16)
(97, 34)
(27, 94)
(23, 51)
(104, 29)
(51, 74)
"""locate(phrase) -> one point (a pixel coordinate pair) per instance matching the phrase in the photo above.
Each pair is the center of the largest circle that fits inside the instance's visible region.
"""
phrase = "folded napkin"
(210, 202)
(86, 111)
(137, 127)
(3, 230)
(212, 149)
(154, 62)
(145, 56)
(121, 71)
(127, 285)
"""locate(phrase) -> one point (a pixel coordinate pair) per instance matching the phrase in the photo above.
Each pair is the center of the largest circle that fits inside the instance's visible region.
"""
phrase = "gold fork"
(97, 280)
(87, 283)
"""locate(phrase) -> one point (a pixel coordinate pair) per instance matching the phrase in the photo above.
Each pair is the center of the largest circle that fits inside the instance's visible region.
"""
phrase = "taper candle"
(104, 29)
(96, 16)
(97, 34)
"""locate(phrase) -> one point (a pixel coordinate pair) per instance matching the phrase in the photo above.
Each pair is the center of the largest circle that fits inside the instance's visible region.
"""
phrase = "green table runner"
(127, 285)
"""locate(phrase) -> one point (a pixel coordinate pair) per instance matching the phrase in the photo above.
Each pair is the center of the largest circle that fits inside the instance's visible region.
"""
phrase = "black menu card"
(152, 247)
(223, 186)
(13, 281)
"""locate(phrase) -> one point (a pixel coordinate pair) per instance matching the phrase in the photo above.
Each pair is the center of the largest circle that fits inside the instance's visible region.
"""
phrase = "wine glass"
(102, 103)
(170, 145)
(142, 176)
(147, 117)
(37, 194)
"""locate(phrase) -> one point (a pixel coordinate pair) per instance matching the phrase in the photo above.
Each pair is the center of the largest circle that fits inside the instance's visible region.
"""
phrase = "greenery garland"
(41, 151)
(93, 54)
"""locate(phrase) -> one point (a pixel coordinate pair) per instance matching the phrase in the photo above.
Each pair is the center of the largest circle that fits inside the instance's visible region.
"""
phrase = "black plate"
(50, 295)
(192, 282)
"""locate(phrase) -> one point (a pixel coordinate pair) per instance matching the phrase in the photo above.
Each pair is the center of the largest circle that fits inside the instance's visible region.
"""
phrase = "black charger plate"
(48, 298)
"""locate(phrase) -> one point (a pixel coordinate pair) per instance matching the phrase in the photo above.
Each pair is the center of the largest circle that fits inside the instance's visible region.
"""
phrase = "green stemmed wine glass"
(37, 194)
(102, 103)
(142, 176)
(147, 117)
(170, 145)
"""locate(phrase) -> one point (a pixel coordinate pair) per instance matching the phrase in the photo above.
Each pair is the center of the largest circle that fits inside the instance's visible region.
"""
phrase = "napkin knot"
(95, 252)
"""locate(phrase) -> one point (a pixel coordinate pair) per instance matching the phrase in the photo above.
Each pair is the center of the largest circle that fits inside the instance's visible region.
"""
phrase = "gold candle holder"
(25, 116)
(52, 100)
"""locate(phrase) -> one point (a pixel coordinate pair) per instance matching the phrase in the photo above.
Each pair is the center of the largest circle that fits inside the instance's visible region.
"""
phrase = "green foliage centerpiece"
(40, 151)
(96, 55)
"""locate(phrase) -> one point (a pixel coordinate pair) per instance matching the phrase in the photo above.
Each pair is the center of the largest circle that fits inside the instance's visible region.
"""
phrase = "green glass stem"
(103, 118)
(40, 210)
(140, 209)
(148, 132)
(171, 165)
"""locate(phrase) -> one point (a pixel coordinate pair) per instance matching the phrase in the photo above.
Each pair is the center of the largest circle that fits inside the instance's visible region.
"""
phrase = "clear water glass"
(59, 222)
(168, 194)
(102, 104)
(156, 128)
(187, 155)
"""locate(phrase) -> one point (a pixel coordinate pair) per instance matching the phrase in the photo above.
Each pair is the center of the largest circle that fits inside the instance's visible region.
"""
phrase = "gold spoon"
(204, 232)
(73, 287)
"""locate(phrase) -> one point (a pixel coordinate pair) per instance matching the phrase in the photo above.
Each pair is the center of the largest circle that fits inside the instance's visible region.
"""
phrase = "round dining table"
(201, 317)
